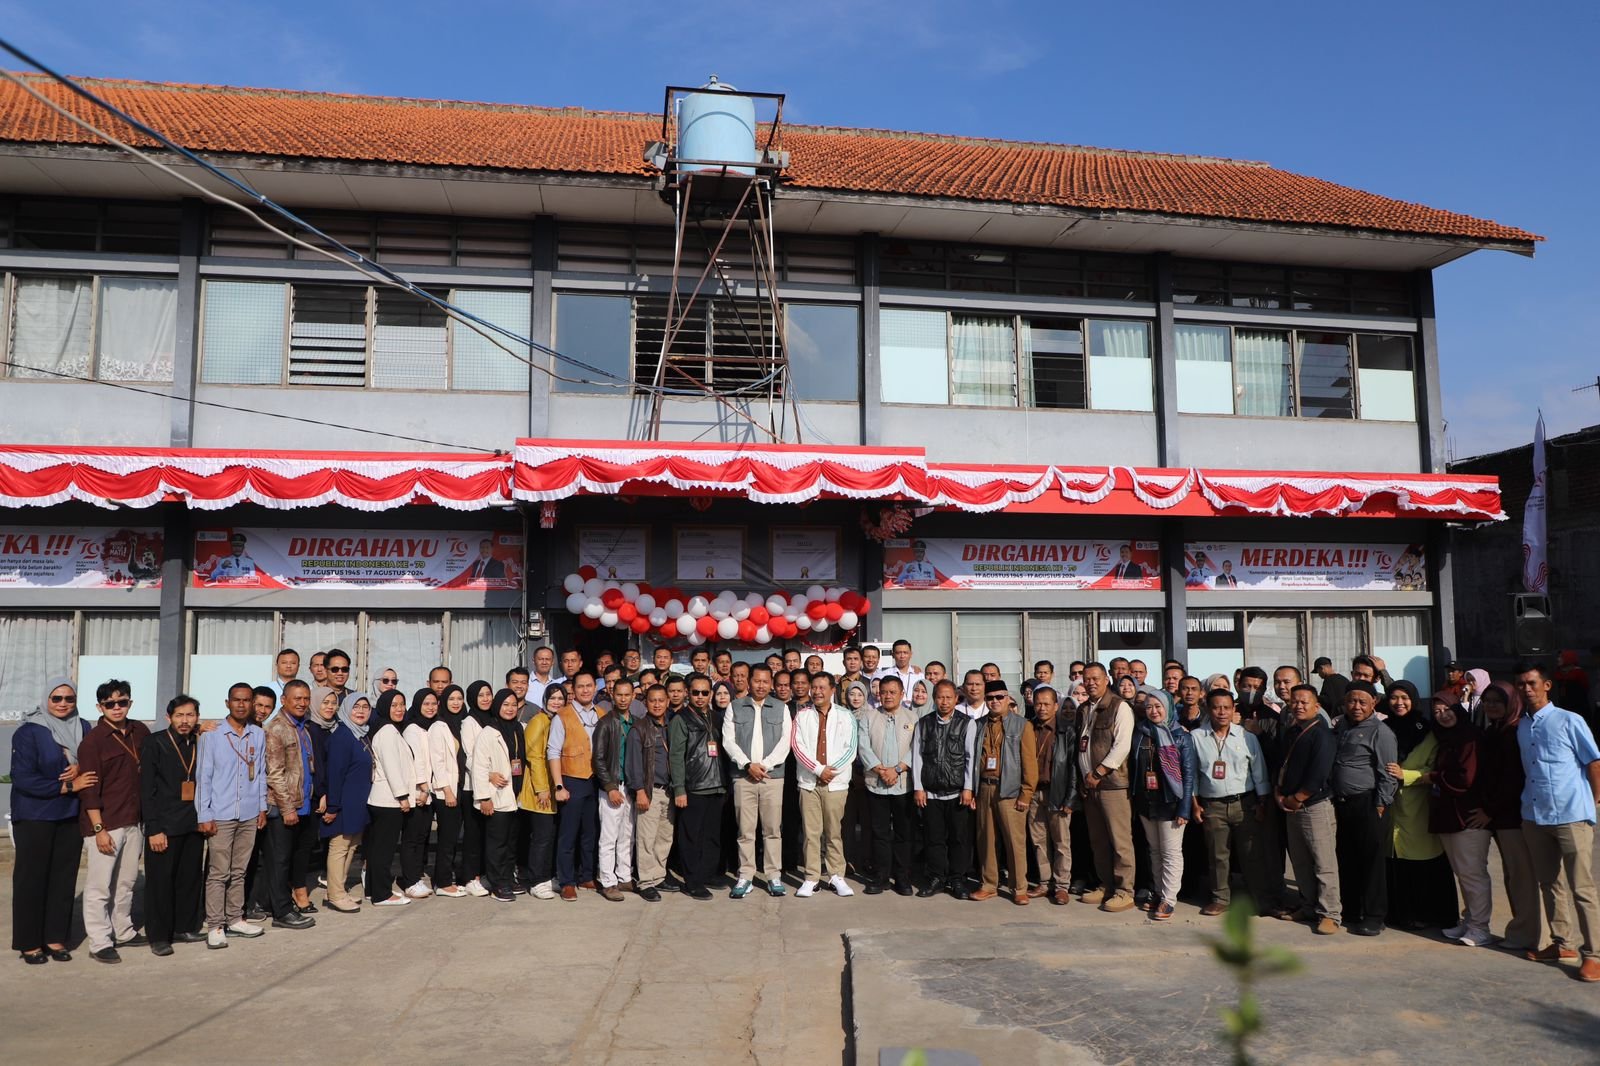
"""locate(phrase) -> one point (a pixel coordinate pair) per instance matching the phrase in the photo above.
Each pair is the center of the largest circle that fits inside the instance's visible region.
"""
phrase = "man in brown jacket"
(1008, 773)
(291, 826)
(1105, 739)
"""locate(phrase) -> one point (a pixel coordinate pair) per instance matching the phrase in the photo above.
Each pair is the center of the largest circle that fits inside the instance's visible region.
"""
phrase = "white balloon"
(645, 603)
(658, 618)
(763, 635)
(673, 608)
(742, 611)
(572, 583)
(803, 623)
(799, 604)
(608, 619)
(696, 640)
(819, 625)
(576, 602)
(631, 591)
(790, 613)
(727, 629)
(815, 592)
(754, 599)
(848, 620)
(593, 588)
(775, 605)
(698, 607)
(685, 624)
(593, 608)
(834, 593)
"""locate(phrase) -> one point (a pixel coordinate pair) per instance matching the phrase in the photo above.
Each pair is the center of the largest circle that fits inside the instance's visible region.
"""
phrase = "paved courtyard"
(769, 981)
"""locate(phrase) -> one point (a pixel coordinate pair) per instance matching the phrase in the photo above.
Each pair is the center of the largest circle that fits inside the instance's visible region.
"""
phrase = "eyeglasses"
(340, 669)
(63, 699)
(996, 696)
(699, 692)
(124, 702)
(384, 680)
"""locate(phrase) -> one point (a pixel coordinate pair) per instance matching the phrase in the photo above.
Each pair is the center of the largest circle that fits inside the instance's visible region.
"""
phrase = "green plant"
(1236, 949)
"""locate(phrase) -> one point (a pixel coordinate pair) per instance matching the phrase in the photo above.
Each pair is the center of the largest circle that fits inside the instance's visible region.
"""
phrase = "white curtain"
(983, 361)
(928, 632)
(52, 327)
(409, 643)
(237, 633)
(138, 329)
(989, 637)
(1205, 370)
(121, 634)
(33, 649)
(1273, 640)
(1262, 357)
(1119, 367)
(310, 633)
(482, 645)
(1340, 635)
(1061, 638)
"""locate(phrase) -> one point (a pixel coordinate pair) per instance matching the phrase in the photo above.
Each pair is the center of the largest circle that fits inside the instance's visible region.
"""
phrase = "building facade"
(1088, 402)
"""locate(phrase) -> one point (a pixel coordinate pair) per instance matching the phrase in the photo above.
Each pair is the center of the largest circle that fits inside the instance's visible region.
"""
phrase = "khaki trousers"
(999, 820)
(652, 833)
(108, 887)
(341, 850)
(821, 816)
(1050, 834)
(227, 856)
(1565, 853)
(1522, 891)
(1110, 816)
(753, 802)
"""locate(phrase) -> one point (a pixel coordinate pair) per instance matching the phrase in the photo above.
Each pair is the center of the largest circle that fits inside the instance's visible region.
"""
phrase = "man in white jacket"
(755, 737)
(823, 739)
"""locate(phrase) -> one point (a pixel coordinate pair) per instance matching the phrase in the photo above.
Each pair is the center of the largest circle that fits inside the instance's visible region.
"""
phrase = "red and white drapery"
(212, 479)
(551, 470)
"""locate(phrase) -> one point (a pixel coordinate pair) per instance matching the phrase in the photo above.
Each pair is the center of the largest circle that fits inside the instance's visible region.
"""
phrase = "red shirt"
(114, 755)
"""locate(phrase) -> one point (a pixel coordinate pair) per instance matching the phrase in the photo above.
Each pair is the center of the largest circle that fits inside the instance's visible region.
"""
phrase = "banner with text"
(1341, 567)
(333, 559)
(42, 557)
(962, 563)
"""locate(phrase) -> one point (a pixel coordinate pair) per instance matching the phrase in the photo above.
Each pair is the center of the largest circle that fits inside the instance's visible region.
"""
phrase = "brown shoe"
(590, 885)
(1060, 898)
(983, 894)
(569, 893)
(1117, 904)
(1553, 953)
(611, 892)
(1021, 898)
(1097, 895)
(1212, 909)
(1038, 890)
(626, 886)
(1590, 970)
(1326, 927)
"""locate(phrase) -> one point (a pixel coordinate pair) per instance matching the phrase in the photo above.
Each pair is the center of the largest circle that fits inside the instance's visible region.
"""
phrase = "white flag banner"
(1535, 564)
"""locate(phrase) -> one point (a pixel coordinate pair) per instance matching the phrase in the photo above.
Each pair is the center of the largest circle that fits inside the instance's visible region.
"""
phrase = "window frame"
(8, 325)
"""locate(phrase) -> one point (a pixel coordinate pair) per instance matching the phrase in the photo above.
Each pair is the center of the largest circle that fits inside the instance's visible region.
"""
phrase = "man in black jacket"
(699, 788)
(1305, 797)
(943, 783)
(174, 850)
(648, 777)
(616, 811)
(1050, 815)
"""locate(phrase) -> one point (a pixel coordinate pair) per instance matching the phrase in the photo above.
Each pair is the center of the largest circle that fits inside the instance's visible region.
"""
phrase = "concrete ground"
(770, 981)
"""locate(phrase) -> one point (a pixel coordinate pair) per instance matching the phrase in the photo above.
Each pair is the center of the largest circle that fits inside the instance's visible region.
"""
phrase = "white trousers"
(108, 887)
(616, 840)
(1166, 858)
(1468, 852)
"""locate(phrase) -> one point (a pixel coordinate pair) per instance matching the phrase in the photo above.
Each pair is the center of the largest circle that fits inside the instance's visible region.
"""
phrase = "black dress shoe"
(932, 888)
(105, 955)
(901, 888)
(35, 958)
(256, 914)
(294, 920)
(669, 885)
(700, 892)
(650, 895)
(959, 891)
(1078, 888)
(873, 888)
(309, 908)
(161, 948)
(189, 938)
(1367, 928)
(59, 954)
(137, 940)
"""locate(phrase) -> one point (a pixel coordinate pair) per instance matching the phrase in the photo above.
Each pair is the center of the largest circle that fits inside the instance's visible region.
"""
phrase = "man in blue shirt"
(231, 806)
(1562, 765)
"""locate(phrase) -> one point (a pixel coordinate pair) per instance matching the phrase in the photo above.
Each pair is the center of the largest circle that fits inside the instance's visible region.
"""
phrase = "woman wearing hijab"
(394, 787)
(1473, 685)
(1457, 793)
(419, 820)
(919, 697)
(536, 798)
(449, 762)
(1422, 890)
(479, 714)
(1502, 776)
(349, 762)
(1162, 790)
(45, 782)
(498, 762)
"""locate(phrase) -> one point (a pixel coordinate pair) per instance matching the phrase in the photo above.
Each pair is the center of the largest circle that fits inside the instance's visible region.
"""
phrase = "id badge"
(252, 770)
(1083, 742)
(1151, 784)
(991, 763)
(1219, 770)
(186, 792)
(516, 767)
(711, 749)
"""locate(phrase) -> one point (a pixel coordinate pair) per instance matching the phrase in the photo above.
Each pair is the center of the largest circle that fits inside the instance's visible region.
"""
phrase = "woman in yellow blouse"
(1422, 891)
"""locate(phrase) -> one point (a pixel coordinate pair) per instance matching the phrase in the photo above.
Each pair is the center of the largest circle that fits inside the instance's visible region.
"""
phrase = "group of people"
(1099, 787)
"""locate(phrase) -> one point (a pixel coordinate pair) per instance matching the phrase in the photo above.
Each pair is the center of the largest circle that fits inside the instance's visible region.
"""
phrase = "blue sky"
(1471, 106)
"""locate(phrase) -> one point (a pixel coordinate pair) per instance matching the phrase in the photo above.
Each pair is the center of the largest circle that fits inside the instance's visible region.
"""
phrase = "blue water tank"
(716, 124)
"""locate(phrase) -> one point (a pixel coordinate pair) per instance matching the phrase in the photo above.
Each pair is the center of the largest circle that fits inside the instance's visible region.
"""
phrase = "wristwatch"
(98, 828)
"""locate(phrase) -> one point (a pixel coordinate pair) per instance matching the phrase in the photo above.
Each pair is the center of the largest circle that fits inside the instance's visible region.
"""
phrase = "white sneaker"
(805, 889)
(395, 900)
(1476, 938)
(1455, 932)
(475, 887)
(836, 882)
(322, 880)
(452, 891)
(217, 938)
(419, 891)
(543, 890)
(246, 929)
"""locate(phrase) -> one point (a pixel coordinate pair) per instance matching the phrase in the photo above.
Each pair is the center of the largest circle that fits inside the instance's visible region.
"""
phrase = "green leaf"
(1250, 1012)
(915, 1057)
(1233, 1023)
(1279, 960)
(1237, 922)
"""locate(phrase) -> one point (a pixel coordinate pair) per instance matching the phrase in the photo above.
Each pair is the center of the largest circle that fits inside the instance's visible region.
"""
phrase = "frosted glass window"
(242, 333)
(1384, 378)
(1205, 370)
(1119, 366)
(33, 649)
(928, 632)
(1402, 640)
(477, 363)
(597, 330)
(408, 344)
(138, 329)
(410, 644)
(1340, 635)
(824, 351)
(1061, 638)
(990, 637)
(50, 335)
(240, 633)
(1265, 383)
(914, 357)
(983, 361)
(1273, 640)
(483, 645)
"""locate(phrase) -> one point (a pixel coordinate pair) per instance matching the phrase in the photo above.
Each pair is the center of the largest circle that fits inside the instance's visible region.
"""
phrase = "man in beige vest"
(1105, 738)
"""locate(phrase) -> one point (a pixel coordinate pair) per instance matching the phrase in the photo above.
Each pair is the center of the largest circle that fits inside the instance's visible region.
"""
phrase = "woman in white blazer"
(480, 710)
(498, 762)
(419, 820)
(393, 791)
(448, 760)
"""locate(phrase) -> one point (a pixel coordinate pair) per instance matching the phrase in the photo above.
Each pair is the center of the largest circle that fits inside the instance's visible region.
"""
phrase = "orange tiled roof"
(311, 125)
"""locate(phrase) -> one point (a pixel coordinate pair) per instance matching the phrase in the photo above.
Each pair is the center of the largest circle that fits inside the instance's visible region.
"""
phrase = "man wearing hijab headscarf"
(110, 822)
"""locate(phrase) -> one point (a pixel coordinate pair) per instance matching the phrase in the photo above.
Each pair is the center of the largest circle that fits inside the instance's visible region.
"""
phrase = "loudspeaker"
(1532, 628)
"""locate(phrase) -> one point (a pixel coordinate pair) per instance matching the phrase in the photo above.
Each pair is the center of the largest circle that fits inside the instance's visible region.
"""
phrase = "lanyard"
(304, 741)
(132, 753)
(248, 757)
(1221, 744)
(188, 767)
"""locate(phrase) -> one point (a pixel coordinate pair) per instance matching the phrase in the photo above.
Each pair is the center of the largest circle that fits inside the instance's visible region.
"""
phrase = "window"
(929, 633)
(824, 342)
(1131, 634)
(1274, 640)
(410, 643)
(1323, 370)
(242, 333)
(1054, 374)
(51, 325)
(914, 358)
(1216, 642)
(482, 644)
(720, 342)
(137, 331)
(983, 359)
(37, 648)
(1401, 639)
(328, 335)
(595, 330)
(1119, 366)
(1266, 385)
(644, 250)
(1384, 378)
(1061, 638)
(113, 328)
(1219, 284)
(1205, 369)
(1032, 271)
(1339, 635)
(410, 349)
(505, 244)
(92, 226)
(989, 637)
(477, 362)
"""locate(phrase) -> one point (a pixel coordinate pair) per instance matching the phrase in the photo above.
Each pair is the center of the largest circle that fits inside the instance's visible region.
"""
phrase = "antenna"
(1586, 388)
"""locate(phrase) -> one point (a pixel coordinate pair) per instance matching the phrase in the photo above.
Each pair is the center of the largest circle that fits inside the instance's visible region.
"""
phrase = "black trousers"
(378, 845)
(173, 880)
(541, 844)
(1196, 883)
(1083, 867)
(446, 871)
(891, 821)
(257, 890)
(500, 851)
(44, 879)
(523, 836)
(699, 833)
(473, 824)
(947, 831)
(286, 862)
(578, 846)
(1361, 841)
(416, 824)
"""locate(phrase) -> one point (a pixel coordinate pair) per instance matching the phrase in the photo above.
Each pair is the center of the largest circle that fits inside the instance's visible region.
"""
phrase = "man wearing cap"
(1105, 739)
(918, 572)
(1363, 792)
(1008, 774)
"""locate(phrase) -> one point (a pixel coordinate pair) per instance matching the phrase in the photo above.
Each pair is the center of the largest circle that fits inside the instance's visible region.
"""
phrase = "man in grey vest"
(755, 736)
(1008, 773)
(1105, 739)
(886, 747)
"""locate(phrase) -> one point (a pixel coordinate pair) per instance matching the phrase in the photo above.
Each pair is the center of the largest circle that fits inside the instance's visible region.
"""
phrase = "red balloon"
(587, 572)
(784, 595)
(760, 615)
(627, 612)
(643, 588)
(864, 607)
(747, 631)
(639, 623)
(706, 626)
(613, 598)
(668, 633)
(850, 601)
(816, 609)
(834, 612)
(588, 623)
